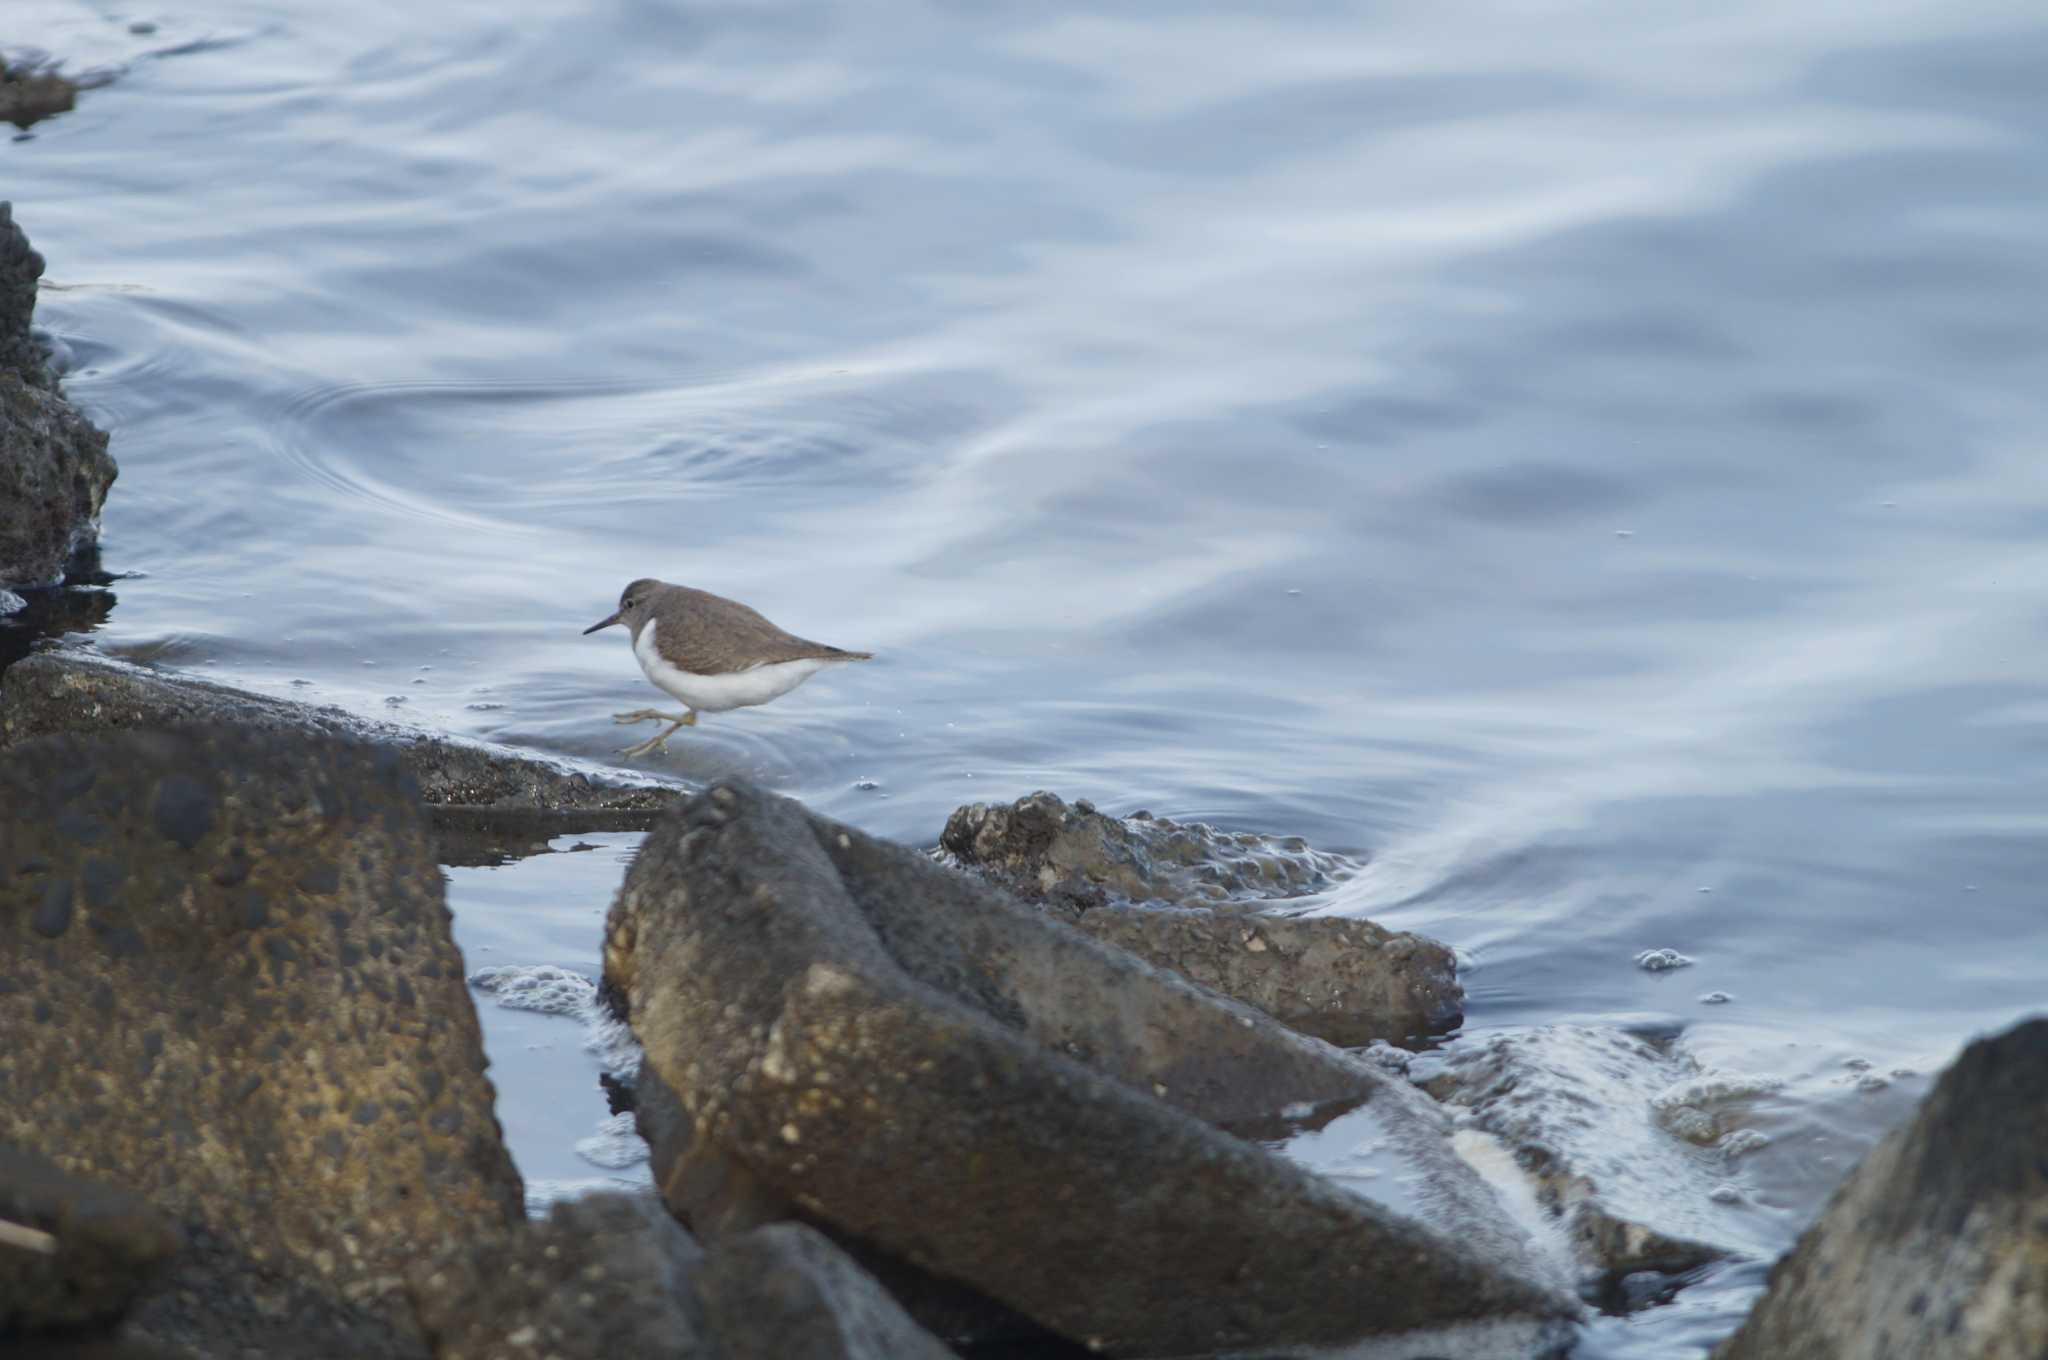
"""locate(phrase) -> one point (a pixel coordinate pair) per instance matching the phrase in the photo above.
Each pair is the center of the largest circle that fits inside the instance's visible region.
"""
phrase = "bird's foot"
(641, 715)
(659, 741)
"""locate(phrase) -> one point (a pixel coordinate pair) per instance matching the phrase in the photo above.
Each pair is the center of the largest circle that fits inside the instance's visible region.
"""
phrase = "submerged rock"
(54, 466)
(73, 1251)
(1934, 1248)
(479, 790)
(840, 1026)
(1043, 848)
(31, 91)
(1583, 1112)
(227, 985)
(1179, 897)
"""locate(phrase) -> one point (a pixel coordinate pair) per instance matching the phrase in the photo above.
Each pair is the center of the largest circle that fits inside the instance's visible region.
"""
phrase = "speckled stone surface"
(1003, 1101)
(228, 985)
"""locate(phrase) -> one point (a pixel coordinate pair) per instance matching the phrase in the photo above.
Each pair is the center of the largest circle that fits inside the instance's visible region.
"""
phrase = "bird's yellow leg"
(658, 742)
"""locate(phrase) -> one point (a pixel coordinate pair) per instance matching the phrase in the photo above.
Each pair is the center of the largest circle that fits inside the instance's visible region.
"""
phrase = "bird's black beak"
(606, 624)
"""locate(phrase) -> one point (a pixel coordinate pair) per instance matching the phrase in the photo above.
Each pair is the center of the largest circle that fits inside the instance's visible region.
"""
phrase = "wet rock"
(1344, 980)
(1044, 849)
(607, 1275)
(1341, 979)
(1579, 1109)
(922, 1064)
(785, 1292)
(481, 793)
(31, 91)
(1935, 1245)
(293, 1076)
(54, 466)
(72, 1251)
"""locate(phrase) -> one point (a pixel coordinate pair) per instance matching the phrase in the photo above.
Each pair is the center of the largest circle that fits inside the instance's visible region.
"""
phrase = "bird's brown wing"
(707, 634)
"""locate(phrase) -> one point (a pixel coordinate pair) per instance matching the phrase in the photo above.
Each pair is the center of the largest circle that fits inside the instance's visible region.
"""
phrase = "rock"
(1043, 848)
(606, 1275)
(1342, 979)
(30, 93)
(72, 1251)
(54, 466)
(785, 1292)
(1581, 1109)
(1937, 1244)
(228, 986)
(612, 1275)
(925, 1065)
(479, 791)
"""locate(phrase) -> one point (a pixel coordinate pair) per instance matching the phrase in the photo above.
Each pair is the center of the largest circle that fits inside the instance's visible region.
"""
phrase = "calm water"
(1592, 458)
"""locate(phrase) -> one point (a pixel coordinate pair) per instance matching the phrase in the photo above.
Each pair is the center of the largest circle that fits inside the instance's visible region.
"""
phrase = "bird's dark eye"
(624, 605)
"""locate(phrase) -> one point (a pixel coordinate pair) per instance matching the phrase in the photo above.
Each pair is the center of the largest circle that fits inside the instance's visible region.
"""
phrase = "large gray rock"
(228, 986)
(1180, 897)
(1936, 1246)
(54, 466)
(72, 1251)
(920, 1062)
(475, 788)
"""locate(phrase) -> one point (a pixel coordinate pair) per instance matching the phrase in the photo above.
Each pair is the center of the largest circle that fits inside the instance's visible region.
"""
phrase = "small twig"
(28, 1239)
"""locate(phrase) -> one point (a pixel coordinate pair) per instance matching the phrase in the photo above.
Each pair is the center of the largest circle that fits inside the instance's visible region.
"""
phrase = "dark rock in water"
(72, 1251)
(1584, 1112)
(604, 1276)
(54, 466)
(480, 792)
(1044, 849)
(1341, 979)
(30, 93)
(785, 1292)
(1338, 978)
(1936, 1246)
(920, 1063)
(299, 1087)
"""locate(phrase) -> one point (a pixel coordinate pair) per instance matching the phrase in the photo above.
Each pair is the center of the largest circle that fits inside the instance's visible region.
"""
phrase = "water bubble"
(393, 700)
(866, 785)
(483, 708)
(1661, 960)
(1715, 999)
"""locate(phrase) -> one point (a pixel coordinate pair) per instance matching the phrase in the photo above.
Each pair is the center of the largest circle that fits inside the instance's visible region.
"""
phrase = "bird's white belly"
(717, 693)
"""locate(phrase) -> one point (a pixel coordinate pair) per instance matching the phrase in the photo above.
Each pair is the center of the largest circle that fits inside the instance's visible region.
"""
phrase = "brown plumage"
(707, 634)
(712, 653)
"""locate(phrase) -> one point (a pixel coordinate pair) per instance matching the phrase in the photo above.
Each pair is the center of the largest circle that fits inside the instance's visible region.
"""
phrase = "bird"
(712, 653)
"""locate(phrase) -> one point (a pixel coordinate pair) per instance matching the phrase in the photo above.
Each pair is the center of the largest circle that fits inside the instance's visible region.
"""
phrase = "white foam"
(615, 1146)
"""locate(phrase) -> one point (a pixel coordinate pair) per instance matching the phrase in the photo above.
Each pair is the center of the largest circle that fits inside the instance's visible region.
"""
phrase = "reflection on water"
(1586, 458)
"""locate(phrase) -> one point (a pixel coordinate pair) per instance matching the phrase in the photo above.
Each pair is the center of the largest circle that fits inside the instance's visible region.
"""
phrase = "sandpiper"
(712, 653)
